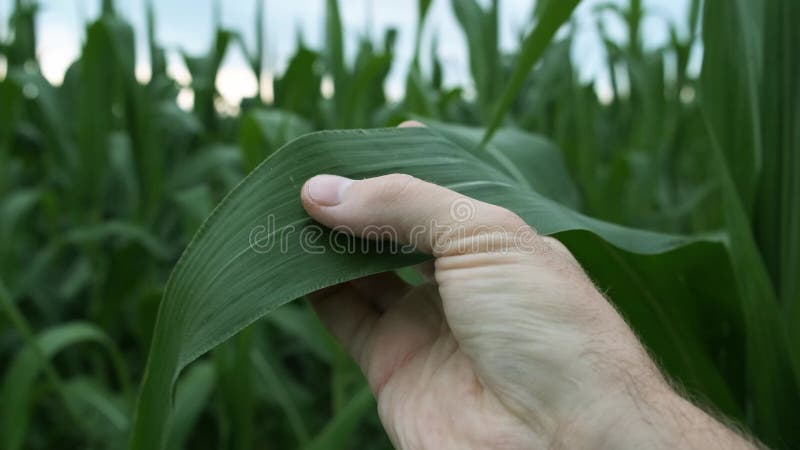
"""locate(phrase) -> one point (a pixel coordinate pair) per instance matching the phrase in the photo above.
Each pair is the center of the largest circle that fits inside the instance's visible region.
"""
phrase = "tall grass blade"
(298, 90)
(730, 80)
(269, 376)
(204, 71)
(738, 152)
(191, 397)
(335, 59)
(551, 17)
(158, 62)
(19, 381)
(778, 213)
(423, 6)
(480, 28)
(22, 48)
(340, 429)
(263, 132)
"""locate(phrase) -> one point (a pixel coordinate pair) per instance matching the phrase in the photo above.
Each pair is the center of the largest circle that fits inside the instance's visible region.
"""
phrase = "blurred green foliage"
(104, 180)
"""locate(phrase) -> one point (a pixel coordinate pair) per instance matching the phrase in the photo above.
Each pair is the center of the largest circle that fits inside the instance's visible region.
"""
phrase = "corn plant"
(140, 310)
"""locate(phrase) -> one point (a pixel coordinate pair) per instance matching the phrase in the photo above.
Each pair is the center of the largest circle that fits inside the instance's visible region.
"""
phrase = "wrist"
(616, 416)
(646, 415)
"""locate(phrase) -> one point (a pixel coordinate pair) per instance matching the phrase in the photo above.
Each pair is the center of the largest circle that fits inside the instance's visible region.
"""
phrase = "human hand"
(509, 346)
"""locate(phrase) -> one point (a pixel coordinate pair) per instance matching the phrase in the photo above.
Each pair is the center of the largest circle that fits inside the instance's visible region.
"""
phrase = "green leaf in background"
(551, 17)
(158, 60)
(191, 397)
(235, 383)
(423, 6)
(778, 211)
(335, 59)
(298, 89)
(10, 103)
(480, 28)
(732, 73)
(274, 382)
(210, 163)
(531, 160)
(365, 92)
(204, 71)
(340, 430)
(265, 131)
(47, 111)
(18, 384)
(771, 365)
(106, 414)
(22, 49)
(13, 209)
(108, 59)
(248, 260)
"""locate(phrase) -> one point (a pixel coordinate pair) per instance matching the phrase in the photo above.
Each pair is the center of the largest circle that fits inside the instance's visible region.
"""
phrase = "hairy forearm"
(657, 419)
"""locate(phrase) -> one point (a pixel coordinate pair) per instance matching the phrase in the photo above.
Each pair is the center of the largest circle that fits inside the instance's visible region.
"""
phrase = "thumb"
(432, 219)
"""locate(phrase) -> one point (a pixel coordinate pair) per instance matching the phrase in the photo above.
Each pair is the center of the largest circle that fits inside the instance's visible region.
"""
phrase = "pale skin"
(503, 348)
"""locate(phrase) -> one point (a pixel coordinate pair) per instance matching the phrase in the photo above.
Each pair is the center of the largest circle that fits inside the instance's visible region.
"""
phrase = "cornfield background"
(104, 181)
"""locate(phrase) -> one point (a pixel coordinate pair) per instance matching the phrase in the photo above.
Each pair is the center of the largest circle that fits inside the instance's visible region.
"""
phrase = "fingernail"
(411, 124)
(327, 190)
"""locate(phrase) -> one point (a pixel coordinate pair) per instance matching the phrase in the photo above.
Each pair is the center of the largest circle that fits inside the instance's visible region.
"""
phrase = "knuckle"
(396, 185)
(556, 245)
(510, 220)
(562, 254)
(400, 179)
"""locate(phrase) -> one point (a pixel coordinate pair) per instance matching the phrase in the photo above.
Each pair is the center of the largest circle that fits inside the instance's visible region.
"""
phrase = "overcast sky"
(188, 25)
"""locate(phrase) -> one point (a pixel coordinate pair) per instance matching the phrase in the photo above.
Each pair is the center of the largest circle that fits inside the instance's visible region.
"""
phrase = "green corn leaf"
(107, 415)
(248, 260)
(423, 6)
(194, 204)
(302, 324)
(531, 160)
(263, 132)
(335, 60)
(126, 232)
(22, 48)
(204, 71)
(778, 211)
(158, 61)
(10, 109)
(235, 383)
(365, 93)
(729, 84)
(13, 209)
(267, 374)
(17, 388)
(551, 17)
(480, 29)
(47, 111)
(257, 59)
(108, 7)
(191, 397)
(107, 58)
(731, 107)
(339, 430)
(768, 375)
(298, 90)
(419, 97)
(124, 194)
(209, 163)
(334, 51)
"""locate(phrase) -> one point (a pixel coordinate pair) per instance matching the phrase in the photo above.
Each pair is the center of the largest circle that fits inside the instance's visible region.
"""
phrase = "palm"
(429, 395)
